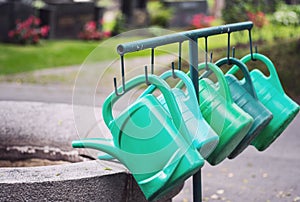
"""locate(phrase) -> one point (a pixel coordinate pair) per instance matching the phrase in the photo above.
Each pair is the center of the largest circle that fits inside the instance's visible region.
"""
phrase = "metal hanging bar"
(182, 36)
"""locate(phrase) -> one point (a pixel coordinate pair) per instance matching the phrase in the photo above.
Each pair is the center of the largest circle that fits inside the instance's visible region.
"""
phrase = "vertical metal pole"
(193, 54)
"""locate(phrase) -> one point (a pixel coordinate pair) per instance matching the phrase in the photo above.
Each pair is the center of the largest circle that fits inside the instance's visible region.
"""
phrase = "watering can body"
(271, 94)
(229, 121)
(147, 140)
(244, 95)
(200, 134)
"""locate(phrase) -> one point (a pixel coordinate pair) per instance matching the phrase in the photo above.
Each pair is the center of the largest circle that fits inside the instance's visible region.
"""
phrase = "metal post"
(193, 54)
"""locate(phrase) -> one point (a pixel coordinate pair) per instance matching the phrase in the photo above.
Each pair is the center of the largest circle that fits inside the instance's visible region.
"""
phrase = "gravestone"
(135, 13)
(67, 18)
(185, 10)
(10, 11)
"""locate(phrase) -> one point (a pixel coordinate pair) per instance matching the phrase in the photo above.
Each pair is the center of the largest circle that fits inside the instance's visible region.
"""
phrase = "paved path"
(273, 175)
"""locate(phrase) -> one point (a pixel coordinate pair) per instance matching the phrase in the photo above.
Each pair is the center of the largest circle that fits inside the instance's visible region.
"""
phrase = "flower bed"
(28, 31)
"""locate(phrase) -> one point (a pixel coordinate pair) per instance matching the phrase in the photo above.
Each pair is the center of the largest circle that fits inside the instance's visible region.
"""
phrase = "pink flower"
(28, 22)
(91, 26)
(45, 30)
(107, 34)
(201, 21)
(36, 21)
(28, 31)
(90, 32)
(259, 19)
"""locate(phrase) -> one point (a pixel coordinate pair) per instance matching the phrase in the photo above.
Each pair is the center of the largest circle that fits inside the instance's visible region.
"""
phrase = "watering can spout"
(77, 144)
(105, 145)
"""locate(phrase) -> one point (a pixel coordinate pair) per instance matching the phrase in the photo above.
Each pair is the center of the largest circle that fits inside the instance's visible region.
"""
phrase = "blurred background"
(39, 34)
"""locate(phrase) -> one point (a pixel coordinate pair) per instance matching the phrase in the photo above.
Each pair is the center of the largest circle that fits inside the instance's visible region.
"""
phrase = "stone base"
(84, 181)
(43, 130)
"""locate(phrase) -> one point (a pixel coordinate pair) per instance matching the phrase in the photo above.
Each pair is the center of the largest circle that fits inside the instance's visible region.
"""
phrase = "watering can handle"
(186, 80)
(248, 85)
(274, 79)
(223, 89)
(152, 79)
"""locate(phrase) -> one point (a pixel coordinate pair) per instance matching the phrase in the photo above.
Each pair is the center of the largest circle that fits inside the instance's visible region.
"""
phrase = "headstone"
(66, 18)
(135, 13)
(185, 10)
(10, 11)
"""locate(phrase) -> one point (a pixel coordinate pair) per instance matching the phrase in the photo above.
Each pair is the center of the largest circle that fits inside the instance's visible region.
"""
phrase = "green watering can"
(200, 134)
(228, 120)
(271, 94)
(147, 140)
(244, 95)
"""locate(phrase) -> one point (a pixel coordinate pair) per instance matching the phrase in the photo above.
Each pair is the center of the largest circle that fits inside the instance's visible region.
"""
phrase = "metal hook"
(123, 79)
(250, 44)
(206, 54)
(233, 51)
(211, 57)
(179, 55)
(116, 88)
(152, 60)
(228, 48)
(146, 75)
(173, 73)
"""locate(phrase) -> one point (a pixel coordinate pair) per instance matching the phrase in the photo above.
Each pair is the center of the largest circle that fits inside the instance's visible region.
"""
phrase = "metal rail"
(182, 36)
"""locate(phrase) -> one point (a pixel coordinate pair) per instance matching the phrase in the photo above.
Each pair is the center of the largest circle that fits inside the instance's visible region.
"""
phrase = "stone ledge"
(83, 181)
(31, 129)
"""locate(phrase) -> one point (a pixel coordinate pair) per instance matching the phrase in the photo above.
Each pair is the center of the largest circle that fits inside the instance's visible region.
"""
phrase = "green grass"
(57, 53)
(15, 58)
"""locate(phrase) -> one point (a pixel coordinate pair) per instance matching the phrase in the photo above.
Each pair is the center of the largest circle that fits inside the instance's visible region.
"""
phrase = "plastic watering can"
(244, 95)
(228, 120)
(224, 116)
(271, 94)
(200, 134)
(148, 141)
